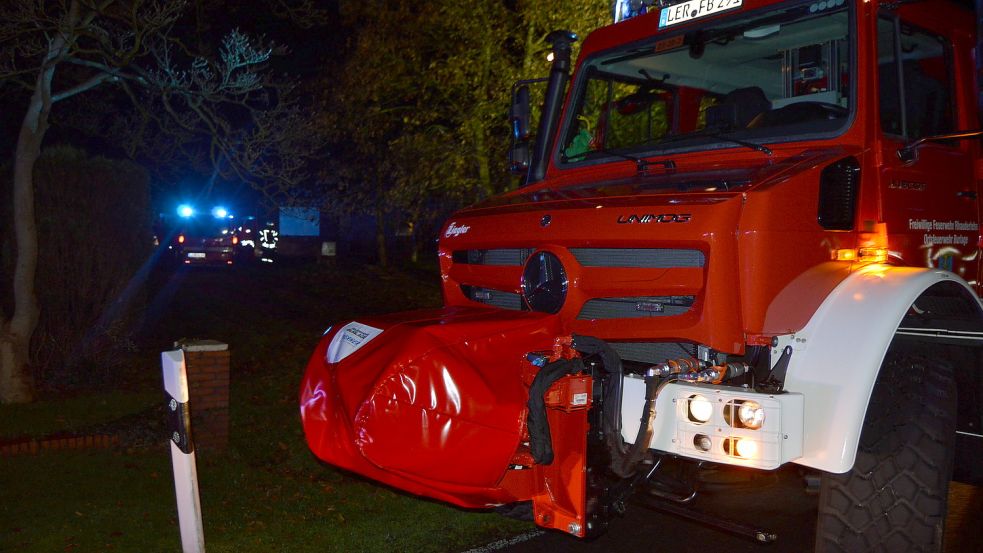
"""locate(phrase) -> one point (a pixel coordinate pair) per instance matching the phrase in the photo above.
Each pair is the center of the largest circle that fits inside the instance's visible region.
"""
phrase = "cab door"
(930, 204)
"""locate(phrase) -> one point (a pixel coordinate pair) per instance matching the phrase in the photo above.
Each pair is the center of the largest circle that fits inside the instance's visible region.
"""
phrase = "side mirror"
(521, 124)
(519, 114)
(520, 121)
(519, 158)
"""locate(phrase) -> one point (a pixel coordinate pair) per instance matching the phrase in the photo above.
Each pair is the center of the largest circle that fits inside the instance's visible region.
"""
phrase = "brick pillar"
(208, 385)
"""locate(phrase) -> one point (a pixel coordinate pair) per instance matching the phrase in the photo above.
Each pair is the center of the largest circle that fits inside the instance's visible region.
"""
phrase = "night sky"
(313, 52)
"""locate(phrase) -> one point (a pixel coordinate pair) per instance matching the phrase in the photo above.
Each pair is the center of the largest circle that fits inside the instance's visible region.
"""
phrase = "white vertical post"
(182, 452)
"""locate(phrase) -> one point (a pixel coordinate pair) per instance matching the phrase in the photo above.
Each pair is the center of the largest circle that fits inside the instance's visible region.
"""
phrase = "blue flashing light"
(220, 212)
(185, 210)
(627, 9)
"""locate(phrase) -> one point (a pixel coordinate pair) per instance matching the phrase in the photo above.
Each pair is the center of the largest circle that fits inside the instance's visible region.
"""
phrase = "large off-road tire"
(894, 498)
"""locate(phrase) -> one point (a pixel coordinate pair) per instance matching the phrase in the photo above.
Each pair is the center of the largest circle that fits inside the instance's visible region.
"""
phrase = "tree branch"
(114, 72)
(91, 83)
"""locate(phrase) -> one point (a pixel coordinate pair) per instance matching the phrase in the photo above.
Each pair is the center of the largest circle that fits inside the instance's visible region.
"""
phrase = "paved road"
(782, 506)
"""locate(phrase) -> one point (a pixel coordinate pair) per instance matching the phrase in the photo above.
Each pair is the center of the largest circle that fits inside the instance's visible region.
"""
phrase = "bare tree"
(59, 49)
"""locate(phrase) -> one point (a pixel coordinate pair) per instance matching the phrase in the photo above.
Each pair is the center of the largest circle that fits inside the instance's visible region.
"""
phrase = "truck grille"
(653, 352)
(492, 277)
(632, 258)
(501, 256)
(639, 258)
(635, 307)
(496, 298)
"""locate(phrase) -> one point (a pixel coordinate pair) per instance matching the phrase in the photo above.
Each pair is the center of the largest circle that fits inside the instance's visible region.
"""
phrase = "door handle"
(968, 194)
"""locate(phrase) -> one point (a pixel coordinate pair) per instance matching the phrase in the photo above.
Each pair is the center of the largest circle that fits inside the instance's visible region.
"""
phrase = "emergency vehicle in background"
(750, 236)
(209, 238)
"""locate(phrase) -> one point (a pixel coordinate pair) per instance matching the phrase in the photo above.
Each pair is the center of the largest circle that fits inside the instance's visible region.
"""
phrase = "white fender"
(837, 355)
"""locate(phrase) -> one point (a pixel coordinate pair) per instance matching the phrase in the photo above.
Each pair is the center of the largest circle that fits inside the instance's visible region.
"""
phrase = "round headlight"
(751, 415)
(746, 448)
(699, 408)
(544, 283)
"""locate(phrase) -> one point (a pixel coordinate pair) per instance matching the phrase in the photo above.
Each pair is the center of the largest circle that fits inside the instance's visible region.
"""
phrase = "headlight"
(744, 413)
(751, 415)
(699, 408)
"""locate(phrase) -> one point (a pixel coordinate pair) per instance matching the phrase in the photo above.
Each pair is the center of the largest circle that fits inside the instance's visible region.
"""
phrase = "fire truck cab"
(749, 236)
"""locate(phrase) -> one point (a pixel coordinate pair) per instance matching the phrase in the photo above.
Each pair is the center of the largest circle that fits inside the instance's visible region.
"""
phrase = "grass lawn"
(267, 492)
(73, 413)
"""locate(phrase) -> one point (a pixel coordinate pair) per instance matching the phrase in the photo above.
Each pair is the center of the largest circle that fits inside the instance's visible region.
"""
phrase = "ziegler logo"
(454, 230)
(650, 218)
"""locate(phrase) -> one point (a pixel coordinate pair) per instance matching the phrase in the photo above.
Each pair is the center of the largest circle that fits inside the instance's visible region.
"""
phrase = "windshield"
(773, 76)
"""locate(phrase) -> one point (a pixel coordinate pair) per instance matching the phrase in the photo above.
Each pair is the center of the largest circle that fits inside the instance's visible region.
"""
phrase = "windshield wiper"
(720, 135)
(641, 164)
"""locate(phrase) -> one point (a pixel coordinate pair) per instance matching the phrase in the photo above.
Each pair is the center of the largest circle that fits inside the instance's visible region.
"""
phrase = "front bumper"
(208, 256)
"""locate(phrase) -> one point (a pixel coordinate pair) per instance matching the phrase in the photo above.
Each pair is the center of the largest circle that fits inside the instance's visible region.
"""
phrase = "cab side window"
(915, 78)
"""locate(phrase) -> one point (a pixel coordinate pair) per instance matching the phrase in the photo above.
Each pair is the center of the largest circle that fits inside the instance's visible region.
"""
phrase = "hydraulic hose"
(624, 460)
(540, 439)
(637, 452)
(611, 364)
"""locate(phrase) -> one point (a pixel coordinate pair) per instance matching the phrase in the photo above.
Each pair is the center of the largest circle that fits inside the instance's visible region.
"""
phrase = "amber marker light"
(742, 448)
(180, 239)
(873, 247)
(747, 449)
(873, 255)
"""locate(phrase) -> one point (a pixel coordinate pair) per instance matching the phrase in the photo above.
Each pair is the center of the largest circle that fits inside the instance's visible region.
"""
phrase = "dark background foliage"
(391, 112)
(94, 225)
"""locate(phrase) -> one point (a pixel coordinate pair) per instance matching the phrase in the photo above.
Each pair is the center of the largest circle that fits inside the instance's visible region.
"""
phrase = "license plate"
(694, 9)
(196, 255)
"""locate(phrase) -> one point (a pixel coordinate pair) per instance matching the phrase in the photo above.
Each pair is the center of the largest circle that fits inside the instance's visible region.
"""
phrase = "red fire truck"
(750, 236)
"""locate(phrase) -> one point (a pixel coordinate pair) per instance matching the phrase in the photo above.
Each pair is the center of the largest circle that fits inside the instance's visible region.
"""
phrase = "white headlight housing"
(705, 422)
